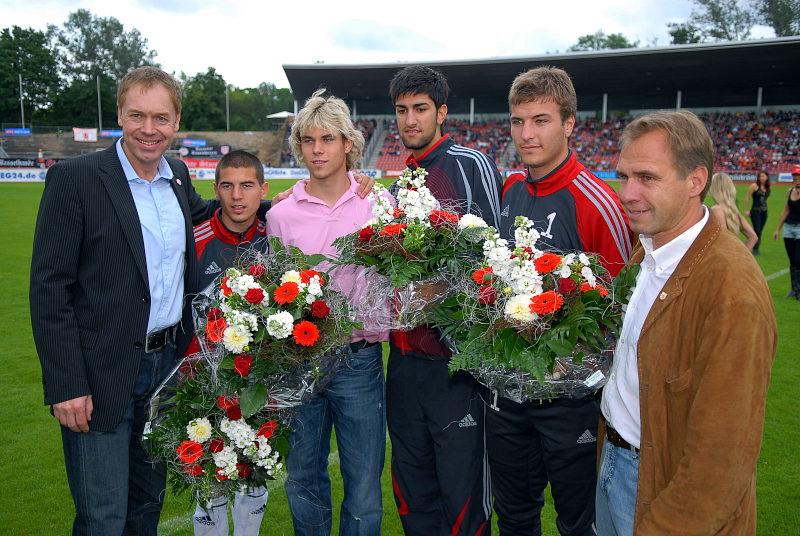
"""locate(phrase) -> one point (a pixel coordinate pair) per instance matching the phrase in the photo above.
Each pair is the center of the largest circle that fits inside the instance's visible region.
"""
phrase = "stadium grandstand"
(748, 94)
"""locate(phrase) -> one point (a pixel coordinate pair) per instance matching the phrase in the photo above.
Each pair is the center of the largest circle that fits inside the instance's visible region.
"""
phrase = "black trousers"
(440, 474)
(530, 444)
(758, 219)
(792, 246)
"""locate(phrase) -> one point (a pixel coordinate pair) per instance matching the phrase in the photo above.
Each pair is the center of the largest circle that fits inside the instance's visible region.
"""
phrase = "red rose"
(254, 296)
(214, 313)
(215, 329)
(244, 470)
(566, 285)
(257, 270)
(320, 309)
(547, 263)
(223, 402)
(220, 476)
(480, 275)
(234, 413)
(366, 234)
(305, 333)
(267, 429)
(241, 364)
(193, 470)
(189, 451)
(442, 217)
(487, 295)
(394, 229)
(307, 275)
(216, 445)
(398, 213)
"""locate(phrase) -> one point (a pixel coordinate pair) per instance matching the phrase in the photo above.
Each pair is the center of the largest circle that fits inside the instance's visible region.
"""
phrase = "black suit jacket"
(89, 292)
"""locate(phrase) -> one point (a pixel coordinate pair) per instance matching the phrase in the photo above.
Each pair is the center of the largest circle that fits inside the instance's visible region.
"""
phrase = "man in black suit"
(113, 258)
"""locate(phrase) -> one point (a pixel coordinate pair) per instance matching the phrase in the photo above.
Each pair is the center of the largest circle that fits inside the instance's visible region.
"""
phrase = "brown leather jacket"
(705, 354)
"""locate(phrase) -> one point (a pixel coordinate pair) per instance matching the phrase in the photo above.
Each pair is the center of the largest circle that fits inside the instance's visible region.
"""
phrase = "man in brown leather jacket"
(684, 406)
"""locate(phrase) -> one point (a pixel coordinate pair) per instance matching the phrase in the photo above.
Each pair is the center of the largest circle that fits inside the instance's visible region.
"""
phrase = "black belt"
(617, 440)
(158, 339)
(356, 347)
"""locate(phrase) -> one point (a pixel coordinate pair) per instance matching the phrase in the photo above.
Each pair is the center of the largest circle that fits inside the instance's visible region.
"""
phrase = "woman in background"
(726, 212)
(757, 193)
(790, 221)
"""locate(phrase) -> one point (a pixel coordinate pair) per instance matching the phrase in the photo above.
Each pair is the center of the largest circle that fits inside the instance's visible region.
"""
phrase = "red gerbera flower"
(223, 402)
(287, 292)
(393, 229)
(305, 333)
(306, 275)
(546, 302)
(479, 275)
(398, 213)
(215, 329)
(366, 234)
(442, 217)
(547, 263)
(189, 451)
(320, 309)
(586, 287)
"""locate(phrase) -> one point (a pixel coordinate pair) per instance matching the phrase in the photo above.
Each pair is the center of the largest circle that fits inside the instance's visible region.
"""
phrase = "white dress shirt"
(620, 404)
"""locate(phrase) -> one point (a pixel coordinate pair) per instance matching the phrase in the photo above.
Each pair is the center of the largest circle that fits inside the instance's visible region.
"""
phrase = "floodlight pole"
(227, 109)
(21, 102)
(99, 107)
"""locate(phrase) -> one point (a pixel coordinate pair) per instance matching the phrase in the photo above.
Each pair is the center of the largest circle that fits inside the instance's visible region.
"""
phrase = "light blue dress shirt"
(164, 233)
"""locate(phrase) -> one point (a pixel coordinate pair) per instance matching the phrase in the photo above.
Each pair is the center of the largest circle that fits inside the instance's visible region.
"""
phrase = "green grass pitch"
(35, 499)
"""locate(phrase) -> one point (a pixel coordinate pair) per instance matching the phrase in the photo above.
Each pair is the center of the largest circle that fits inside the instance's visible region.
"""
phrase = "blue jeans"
(353, 402)
(115, 487)
(615, 497)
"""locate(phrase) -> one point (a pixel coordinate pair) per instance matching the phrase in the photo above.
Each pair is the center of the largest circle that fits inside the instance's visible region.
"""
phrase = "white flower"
(590, 278)
(518, 308)
(199, 430)
(291, 275)
(239, 432)
(242, 318)
(564, 270)
(471, 221)
(226, 460)
(236, 337)
(280, 325)
(584, 259)
(240, 285)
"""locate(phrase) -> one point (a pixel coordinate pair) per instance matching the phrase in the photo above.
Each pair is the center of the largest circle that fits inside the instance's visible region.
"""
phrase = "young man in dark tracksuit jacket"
(435, 420)
(551, 440)
(233, 229)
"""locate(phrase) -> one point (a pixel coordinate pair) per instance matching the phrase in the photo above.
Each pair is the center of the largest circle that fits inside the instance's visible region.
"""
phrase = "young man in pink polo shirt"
(317, 212)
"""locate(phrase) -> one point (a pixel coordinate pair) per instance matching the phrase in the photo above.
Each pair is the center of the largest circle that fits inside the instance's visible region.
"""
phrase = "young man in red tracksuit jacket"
(552, 441)
(435, 420)
(240, 187)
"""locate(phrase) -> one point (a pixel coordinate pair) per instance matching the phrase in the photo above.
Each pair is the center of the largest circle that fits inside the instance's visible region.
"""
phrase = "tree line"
(60, 68)
(712, 20)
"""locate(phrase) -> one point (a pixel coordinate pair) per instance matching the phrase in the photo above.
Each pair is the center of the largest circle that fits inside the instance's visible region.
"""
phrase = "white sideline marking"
(777, 274)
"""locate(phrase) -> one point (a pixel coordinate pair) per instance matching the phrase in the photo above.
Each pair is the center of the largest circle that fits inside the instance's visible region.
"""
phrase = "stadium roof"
(707, 74)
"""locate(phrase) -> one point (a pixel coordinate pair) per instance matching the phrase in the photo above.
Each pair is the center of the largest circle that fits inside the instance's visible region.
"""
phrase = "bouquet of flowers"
(270, 331)
(533, 324)
(415, 246)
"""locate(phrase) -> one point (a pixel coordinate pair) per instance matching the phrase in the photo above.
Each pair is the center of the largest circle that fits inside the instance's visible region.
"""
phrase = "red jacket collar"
(231, 237)
(412, 161)
(558, 178)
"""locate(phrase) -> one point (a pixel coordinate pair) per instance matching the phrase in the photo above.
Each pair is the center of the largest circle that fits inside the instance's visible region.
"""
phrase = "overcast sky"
(247, 42)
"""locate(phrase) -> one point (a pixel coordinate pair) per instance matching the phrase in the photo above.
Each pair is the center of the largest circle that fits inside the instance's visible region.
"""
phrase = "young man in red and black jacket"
(551, 440)
(240, 187)
(435, 420)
